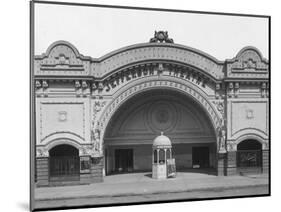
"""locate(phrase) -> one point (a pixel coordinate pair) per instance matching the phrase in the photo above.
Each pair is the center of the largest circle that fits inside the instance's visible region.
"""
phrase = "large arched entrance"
(131, 130)
(64, 163)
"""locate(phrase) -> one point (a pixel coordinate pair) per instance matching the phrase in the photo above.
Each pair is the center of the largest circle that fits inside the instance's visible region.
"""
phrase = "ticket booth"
(161, 153)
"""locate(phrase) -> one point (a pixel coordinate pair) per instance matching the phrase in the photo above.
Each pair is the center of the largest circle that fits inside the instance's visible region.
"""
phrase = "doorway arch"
(64, 163)
(249, 156)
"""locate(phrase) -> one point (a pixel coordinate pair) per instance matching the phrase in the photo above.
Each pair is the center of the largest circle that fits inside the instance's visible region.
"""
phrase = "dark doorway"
(249, 154)
(124, 160)
(64, 163)
(200, 157)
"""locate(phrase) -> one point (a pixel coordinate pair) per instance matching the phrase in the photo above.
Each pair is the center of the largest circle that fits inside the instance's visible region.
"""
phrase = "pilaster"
(231, 168)
(265, 161)
(222, 159)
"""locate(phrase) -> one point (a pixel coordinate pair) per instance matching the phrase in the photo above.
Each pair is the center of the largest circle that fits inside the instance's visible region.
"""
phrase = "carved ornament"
(161, 36)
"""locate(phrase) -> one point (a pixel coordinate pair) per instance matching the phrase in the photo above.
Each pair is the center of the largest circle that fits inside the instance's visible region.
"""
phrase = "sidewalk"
(142, 183)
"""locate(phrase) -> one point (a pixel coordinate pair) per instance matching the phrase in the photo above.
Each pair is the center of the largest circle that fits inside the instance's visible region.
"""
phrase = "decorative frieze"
(42, 152)
(160, 69)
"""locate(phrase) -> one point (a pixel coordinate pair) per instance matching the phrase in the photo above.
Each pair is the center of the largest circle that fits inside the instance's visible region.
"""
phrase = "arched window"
(161, 156)
(168, 154)
(249, 154)
(155, 156)
(64, 163)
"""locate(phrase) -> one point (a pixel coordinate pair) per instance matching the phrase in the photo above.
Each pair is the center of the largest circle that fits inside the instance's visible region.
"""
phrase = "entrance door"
(124, 160)
(64, 163)
(200, 157)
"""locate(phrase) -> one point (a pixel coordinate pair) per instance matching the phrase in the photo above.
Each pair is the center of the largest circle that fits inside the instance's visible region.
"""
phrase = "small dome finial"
(162, 133)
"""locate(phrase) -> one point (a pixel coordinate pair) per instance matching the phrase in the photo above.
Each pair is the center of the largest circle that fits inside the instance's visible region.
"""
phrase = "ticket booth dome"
(162, 141)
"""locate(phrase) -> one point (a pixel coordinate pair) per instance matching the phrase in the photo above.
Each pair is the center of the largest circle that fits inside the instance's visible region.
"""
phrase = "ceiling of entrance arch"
(146, 115)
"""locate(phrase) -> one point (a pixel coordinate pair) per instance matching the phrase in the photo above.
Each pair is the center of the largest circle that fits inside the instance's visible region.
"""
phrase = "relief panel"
(248, 115)
(63, 117)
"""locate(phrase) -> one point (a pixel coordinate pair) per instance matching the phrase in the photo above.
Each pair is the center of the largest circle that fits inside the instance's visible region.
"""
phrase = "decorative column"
(42, 167)
(158, 156)
(265, 157)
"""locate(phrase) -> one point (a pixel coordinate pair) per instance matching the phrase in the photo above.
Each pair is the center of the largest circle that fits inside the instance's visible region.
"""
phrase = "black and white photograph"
(141, 105)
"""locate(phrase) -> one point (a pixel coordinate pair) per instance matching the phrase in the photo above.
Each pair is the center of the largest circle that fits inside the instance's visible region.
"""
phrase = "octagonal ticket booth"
(163, 165)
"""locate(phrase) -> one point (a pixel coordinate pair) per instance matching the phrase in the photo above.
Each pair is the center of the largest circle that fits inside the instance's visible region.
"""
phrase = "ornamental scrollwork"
(220, 106)
(98, 105)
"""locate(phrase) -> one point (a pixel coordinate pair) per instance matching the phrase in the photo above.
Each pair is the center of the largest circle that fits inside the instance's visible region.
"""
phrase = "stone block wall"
(231, 166)
(96, 171)
(42, 171)
(222, 159)
(265, 161)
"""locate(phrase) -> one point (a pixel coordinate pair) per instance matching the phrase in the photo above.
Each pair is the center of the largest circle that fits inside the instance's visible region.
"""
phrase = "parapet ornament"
(161, 36)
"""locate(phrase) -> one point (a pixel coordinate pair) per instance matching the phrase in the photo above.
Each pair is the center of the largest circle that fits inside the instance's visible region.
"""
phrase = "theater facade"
(99, 116)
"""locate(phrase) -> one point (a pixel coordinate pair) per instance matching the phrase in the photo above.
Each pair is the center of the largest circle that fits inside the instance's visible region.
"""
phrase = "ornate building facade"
(97, 116)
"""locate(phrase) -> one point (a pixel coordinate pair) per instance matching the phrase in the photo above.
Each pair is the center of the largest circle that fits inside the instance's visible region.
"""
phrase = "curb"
(155, 193)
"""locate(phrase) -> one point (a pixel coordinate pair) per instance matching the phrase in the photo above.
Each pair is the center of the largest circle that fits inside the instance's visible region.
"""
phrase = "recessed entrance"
(64, 163)
(200, 157)
(129, 134)
(124, 160)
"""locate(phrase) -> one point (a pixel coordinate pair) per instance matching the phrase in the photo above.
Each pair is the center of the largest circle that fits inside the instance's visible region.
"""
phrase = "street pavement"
(141, 187)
